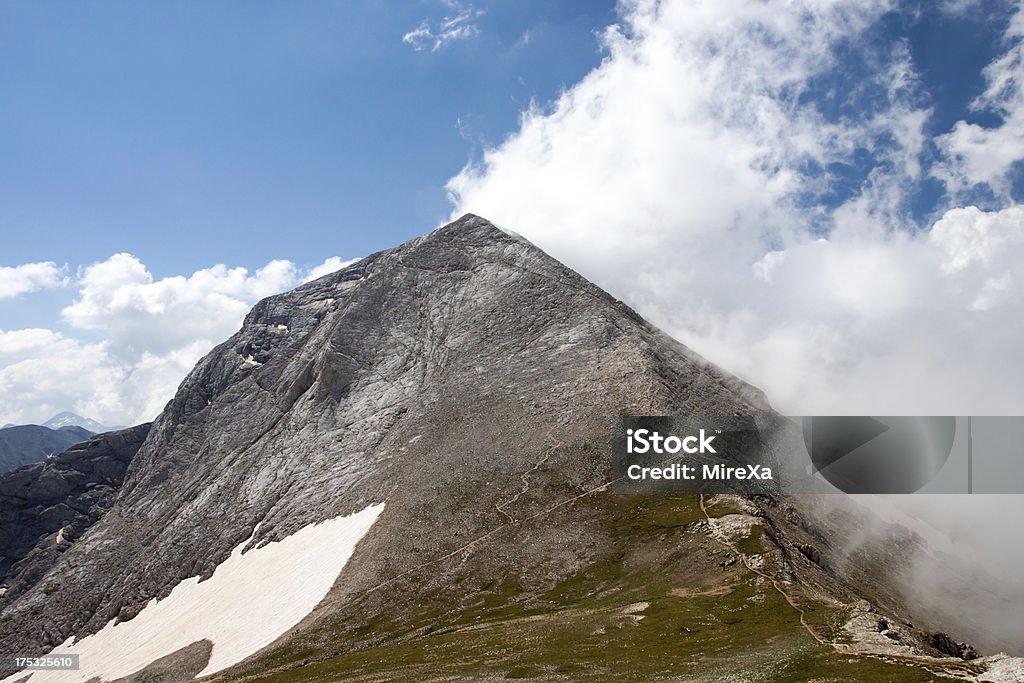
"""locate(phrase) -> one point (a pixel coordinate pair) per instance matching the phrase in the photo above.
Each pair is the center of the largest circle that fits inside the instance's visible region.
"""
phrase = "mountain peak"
(469, 222)
(451, 398)
(470, 230)
(465, 378)
(66, 418)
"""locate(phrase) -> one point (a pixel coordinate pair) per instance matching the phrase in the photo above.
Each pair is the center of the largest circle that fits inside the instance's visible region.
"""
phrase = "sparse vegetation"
(591, 628)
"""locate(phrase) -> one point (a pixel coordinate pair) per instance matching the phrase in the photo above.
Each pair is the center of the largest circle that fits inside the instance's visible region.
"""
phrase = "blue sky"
(193, 133)
(868, 152)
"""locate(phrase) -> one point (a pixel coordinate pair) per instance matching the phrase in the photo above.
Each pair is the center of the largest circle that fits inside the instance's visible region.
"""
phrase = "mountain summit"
(69, 419)
(405, 464)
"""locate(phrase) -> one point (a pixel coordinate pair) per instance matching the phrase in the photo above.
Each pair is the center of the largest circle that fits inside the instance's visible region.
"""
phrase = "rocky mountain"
(69, 419)
(25, 444)
(401, 471)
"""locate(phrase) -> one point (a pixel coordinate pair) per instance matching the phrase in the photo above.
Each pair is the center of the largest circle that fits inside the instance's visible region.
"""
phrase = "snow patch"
(250, 600)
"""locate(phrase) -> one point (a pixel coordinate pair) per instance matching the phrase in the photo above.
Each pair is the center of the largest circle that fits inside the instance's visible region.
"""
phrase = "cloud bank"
(702, 173)
(130, 338)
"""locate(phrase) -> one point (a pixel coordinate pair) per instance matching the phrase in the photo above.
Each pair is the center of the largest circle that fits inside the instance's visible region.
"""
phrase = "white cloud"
(18, 342)
(959, 7)
(970, 236)
(459, 25)
(419, 37)
(43, 372)
(978, 154)
(329, 266)
(138, 314)
(29, 277)
(684, 175)
(132, 338)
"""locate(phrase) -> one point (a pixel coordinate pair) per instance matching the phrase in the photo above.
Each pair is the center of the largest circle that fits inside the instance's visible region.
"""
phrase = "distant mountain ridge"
(68, 419)
(22, 445)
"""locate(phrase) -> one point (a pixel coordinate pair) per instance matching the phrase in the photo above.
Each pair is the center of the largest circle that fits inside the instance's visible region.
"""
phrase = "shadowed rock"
(46, 507)
(22, 445)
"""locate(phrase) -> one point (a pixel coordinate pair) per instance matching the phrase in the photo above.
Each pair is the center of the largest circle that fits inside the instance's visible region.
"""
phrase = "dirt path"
(749, 565)
(932, 665)
(525, 476)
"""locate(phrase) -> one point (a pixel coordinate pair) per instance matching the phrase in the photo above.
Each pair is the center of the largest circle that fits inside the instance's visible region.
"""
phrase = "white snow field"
(248, 602)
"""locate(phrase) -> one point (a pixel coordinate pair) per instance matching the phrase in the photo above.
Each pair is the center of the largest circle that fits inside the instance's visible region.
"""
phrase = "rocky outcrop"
(947, 646)
(46, 507)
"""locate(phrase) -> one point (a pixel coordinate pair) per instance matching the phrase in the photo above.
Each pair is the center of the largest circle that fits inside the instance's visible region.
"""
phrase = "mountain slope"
(463, 387)
(25, 444)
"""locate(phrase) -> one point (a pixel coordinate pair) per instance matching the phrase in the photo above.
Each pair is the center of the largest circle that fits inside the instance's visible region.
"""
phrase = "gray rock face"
(947, 646)
(46, 507)
(465, 377)
(26, 444)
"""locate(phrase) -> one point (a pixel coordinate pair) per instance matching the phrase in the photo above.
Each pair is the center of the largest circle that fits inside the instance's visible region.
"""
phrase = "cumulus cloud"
(693, 174)
(138, 314)
(459, 25)
(29, 277)
(131, 337)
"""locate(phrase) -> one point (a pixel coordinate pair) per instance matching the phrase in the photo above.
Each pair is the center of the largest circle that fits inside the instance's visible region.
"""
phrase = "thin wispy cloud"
(978, 155)
(461, 24)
